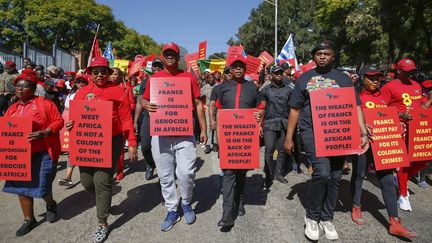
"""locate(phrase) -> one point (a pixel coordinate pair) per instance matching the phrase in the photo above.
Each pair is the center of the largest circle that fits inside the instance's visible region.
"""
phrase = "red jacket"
(51, 119)
(129, 91)
(122, 121)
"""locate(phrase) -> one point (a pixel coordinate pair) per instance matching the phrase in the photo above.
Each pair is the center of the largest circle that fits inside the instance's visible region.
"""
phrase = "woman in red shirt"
(405, 94)
(45, 149)
(99, 181)
(371, 97)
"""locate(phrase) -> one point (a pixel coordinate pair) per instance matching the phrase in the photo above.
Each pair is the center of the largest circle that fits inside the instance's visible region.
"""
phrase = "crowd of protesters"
(279, 92)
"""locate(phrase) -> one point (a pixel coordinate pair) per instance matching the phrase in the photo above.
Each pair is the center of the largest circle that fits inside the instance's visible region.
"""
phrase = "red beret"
(27, 75)
(10, 64)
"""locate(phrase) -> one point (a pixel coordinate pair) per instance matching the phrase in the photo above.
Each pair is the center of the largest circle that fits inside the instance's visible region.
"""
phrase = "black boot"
(51, 214)
(227, 219)
(281, 179)
(241, 208)
(215, 148)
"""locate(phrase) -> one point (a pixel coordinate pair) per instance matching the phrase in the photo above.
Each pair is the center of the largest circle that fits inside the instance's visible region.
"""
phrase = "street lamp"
(275, 4)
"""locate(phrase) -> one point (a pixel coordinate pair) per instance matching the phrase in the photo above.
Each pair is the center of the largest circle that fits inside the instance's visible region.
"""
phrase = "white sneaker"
(404, 203)
(329, 230)
(311, 230)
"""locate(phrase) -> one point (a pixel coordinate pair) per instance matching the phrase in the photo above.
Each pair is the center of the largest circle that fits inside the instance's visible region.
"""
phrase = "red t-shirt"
(371, 100)
(122, 121)
(181, 74)
(403, 96)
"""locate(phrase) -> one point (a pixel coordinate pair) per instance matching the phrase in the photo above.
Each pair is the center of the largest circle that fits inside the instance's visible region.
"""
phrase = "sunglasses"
(97, 72)
(22, 86)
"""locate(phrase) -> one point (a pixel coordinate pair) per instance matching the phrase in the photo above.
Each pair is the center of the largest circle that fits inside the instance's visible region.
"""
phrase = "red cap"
(406, 65)
(10, 64)
(236, 58)
(27, 75)
(427, 83)
(99, 62)
(171, 46)
(83, 76)
(60, 83)
(70, 73)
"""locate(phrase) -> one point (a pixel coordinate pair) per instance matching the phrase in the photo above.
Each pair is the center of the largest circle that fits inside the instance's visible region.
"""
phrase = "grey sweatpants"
(175, 155)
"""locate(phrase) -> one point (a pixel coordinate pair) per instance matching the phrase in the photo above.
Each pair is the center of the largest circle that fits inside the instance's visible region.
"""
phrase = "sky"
(185, 22)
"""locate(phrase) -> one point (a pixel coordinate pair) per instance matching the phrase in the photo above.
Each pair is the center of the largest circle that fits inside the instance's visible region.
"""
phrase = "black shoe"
(51, 214)
(27, 226)
(281, 179)
(215, 148)
(207, 149)
(241, 209)
(149, 173)
(267, 184)
(227, 220)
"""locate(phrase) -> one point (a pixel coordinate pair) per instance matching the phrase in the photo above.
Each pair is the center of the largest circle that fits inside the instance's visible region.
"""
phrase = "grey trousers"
(175, 155)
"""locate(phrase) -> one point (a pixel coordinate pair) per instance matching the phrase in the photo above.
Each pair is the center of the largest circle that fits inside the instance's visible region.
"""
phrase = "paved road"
(277, 216)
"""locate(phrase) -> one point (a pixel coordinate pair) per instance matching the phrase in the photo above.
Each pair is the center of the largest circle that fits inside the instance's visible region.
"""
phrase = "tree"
(294, 16)
(218, 55)
(73, 23)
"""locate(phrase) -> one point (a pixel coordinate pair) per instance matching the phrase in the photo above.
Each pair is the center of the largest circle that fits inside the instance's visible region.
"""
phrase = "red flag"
(308, 67)
(96, 50)
(202, 49)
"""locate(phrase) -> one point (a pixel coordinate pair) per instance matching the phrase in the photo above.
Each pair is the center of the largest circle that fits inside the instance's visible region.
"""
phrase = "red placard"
(234, 51)
(90, 141)
(174, 100)
(202, 50)
(252, 64)
(15, 150)
(266, 58)
(238, 139)
(420, 135)
(191, 62)
(308, 66)
(64, 133)
(335, 122)
(388, 147)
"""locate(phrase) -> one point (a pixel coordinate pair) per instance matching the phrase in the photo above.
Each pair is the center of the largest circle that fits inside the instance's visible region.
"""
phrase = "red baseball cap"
(99, 62)
(86, 77)
(10, 64)
(60, 83)
(27, 75)
(237, 58)
(406, 65)
(171, 46)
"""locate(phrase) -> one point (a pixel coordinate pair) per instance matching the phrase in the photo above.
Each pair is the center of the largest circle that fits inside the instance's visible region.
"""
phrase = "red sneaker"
(396, 228)
(356, 215)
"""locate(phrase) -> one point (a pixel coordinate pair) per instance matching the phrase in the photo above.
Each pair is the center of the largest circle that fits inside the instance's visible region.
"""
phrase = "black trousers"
(146, 141)
(385, 177)
(324, 184)
(274, 140)
(233, 188)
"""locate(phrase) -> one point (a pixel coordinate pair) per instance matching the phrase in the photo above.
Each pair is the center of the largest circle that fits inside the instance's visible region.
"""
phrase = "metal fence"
(10, 56)
(64, 59)
(38, 56)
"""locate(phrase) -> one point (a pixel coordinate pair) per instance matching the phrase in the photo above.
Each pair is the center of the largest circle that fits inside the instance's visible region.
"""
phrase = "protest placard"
(420, 135)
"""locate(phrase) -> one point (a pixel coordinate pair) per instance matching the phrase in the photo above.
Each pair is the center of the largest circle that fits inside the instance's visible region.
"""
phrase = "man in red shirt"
(176, 155)
(405, 94)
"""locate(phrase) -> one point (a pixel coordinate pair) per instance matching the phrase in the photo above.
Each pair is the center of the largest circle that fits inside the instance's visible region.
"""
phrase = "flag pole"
(91, 50)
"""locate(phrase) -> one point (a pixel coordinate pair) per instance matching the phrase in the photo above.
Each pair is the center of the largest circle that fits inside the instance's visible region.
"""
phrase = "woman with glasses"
(99, 181)
(80, 81)
(45, 150)
(371, 97)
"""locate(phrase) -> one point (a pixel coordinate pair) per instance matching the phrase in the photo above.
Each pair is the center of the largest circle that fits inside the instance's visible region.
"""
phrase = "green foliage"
(73, 23)
(364, 31)
(294, 16)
